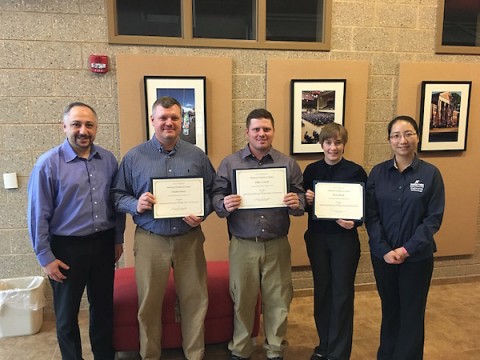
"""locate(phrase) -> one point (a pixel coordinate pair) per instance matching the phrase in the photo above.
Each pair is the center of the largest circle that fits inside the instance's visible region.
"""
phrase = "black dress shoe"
(235, 357)
(318, 357)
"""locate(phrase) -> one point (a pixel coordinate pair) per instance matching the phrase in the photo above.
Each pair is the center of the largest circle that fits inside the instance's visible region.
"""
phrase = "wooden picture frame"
(458, 27)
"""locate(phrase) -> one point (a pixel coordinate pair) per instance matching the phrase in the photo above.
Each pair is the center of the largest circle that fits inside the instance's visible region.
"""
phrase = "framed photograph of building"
(444, 115)
(190, 91)
(314, 103)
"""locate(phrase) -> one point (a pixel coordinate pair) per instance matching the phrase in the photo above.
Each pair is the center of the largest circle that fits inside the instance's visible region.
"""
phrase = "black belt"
(173, 235)
(256, 239)
(93, 236)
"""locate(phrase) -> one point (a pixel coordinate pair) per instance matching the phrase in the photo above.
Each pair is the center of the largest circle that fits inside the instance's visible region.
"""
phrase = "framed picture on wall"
(444, 115)
(190, 92)
(314, 103)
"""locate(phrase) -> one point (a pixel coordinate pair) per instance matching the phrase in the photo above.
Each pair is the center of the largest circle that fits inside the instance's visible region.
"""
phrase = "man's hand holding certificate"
(178, 197)
(261, 188)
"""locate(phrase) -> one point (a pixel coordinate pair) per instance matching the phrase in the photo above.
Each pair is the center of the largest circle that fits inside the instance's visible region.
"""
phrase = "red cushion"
(125, 305)
(218, 321)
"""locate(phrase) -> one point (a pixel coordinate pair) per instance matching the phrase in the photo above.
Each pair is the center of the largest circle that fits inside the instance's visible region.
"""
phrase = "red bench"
(218, 322)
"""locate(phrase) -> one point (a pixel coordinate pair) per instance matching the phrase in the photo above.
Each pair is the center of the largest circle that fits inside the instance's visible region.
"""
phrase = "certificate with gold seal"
(261, 188)
(336, 200)
(178, 197)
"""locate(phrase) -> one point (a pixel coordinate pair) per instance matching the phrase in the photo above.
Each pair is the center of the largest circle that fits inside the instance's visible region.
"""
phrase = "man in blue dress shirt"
(165, 243)
(75, 232)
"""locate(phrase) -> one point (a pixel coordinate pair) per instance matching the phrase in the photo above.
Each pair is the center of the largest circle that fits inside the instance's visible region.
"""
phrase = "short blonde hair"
(333, 130)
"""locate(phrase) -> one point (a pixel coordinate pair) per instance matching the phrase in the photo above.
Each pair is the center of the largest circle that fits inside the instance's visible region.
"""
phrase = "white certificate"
(261, 188)
(335, 200)
(178, 197)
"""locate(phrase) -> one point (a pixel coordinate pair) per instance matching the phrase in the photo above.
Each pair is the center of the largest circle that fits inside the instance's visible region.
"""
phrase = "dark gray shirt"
(264, 223)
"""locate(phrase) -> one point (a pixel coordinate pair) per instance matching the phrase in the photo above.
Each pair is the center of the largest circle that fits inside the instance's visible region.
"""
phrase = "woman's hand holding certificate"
(335, 200)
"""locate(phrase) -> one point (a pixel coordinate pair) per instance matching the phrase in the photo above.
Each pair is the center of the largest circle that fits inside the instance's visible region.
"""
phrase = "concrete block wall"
(44, 49)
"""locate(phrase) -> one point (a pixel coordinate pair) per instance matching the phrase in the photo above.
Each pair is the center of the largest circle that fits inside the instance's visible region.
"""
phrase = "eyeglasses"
(407, 135)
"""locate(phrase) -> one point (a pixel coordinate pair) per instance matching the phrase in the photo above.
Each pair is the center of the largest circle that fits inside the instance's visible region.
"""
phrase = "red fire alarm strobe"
(98, 63)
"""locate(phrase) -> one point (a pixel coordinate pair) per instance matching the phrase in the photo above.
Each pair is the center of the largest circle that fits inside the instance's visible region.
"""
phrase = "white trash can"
(21, 305)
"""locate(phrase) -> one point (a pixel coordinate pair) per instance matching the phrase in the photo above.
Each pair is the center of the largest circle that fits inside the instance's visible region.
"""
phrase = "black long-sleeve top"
(344, 171)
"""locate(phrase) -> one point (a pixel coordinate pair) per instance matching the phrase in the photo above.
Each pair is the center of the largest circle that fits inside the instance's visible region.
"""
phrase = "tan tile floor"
(452, 330)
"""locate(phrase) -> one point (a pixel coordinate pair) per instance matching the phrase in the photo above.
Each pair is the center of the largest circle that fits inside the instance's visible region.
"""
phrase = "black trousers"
(92, 264)
(403, 290)
(334, 261)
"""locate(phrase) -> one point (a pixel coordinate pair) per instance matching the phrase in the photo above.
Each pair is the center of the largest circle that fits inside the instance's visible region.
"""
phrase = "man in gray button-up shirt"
(259, 251)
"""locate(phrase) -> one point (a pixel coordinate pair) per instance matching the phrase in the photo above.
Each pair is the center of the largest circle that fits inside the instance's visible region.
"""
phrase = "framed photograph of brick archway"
(444, 115)
(190, 91)
(314, 103)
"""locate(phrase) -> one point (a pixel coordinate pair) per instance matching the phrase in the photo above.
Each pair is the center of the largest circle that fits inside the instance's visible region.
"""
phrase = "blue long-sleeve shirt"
(149, 160)
(404, 208)
(70, 196)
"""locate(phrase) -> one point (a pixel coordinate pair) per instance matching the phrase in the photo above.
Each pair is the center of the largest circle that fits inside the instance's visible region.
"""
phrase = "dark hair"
(69, 107)
(406, 118)
(166, 102)
(333, 130)
(259, 114)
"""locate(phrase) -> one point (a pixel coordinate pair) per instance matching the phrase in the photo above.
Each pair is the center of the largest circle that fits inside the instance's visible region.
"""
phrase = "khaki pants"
(265, 266)
(154, 256)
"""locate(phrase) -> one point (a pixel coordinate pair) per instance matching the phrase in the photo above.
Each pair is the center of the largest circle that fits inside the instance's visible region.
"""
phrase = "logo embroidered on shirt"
(417, 186)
